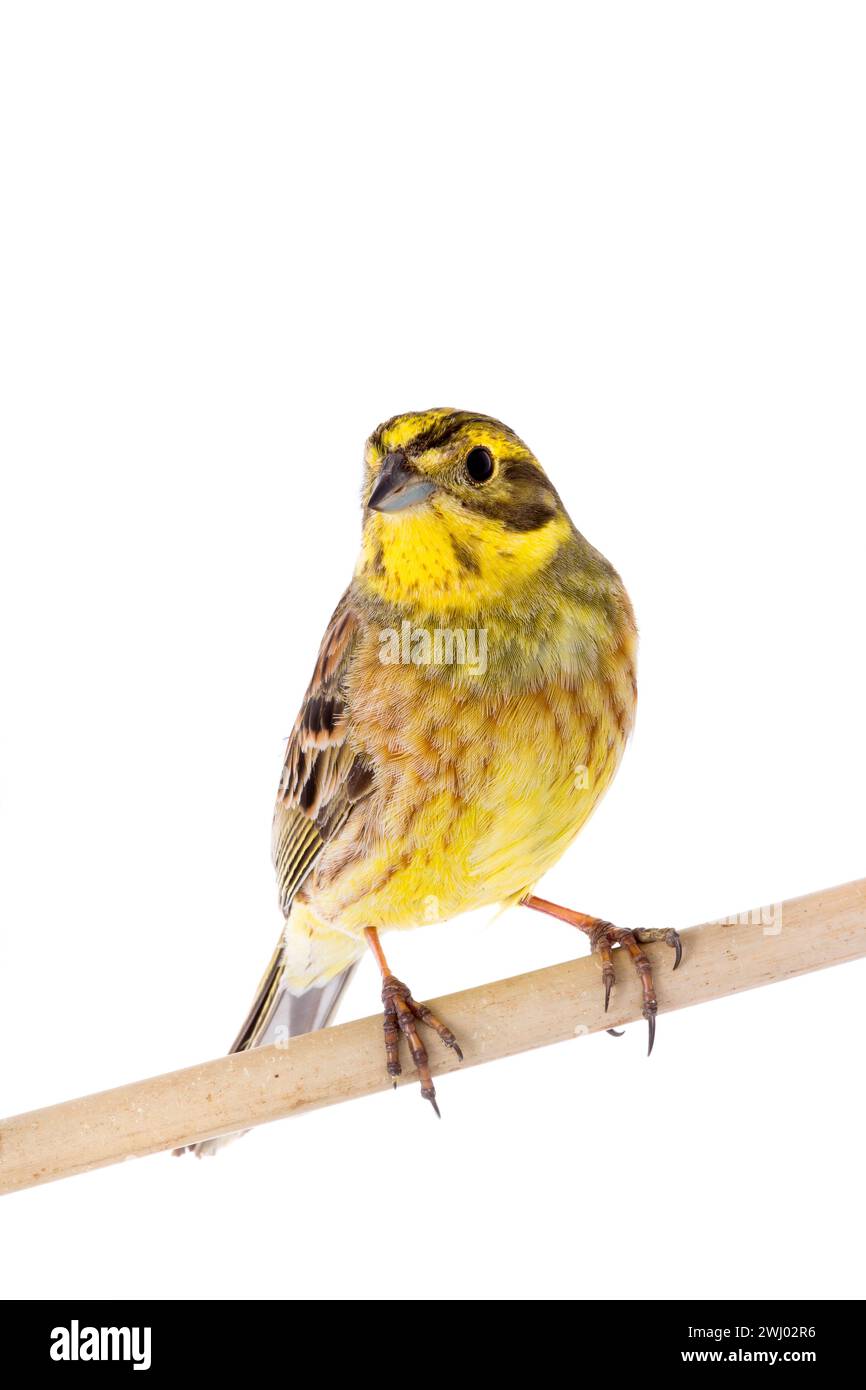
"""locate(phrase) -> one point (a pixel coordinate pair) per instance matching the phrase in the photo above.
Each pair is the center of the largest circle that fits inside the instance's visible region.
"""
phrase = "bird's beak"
(398, 485)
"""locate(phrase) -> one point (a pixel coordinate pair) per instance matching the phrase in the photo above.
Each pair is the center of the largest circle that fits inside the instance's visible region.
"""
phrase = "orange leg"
(401, 1014)
(605, 937)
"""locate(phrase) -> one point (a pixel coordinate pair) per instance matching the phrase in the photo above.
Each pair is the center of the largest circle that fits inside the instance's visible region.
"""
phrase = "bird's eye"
(479, 465)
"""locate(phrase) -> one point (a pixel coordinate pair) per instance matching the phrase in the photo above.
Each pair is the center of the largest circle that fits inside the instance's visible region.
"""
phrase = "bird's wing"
(323, 775)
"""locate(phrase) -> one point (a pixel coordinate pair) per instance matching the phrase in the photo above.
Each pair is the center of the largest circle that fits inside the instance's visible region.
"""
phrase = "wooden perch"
(495, 1020)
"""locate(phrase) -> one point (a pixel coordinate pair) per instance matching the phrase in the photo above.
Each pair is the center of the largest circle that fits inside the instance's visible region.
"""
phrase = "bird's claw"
(668, 936)
(402, 1015)
(606, 938)
(608, 980)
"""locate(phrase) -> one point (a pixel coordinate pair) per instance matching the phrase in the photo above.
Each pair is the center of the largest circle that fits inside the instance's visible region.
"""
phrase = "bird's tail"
(276, 1015)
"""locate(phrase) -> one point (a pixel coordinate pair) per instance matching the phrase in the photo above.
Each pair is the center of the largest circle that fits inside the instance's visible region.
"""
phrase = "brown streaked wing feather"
(323, 778)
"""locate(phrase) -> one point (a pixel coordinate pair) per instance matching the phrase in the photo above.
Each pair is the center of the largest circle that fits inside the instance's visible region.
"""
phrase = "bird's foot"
(402, 1015)
(605, 938)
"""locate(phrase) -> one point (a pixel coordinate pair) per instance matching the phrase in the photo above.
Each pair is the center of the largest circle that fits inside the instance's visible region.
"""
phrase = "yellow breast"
(480, 789)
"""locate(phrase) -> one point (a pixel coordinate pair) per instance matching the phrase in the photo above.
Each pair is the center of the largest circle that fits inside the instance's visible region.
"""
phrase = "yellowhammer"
(471, 701)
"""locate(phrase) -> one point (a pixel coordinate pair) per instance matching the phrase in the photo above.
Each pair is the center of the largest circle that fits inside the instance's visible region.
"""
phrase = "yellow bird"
(471, 702)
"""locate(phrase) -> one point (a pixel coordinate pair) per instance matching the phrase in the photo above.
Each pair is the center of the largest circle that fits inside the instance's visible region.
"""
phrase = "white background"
(235, 237)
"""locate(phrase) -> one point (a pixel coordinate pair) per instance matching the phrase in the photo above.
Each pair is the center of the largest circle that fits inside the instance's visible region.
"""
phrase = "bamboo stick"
(493, 1021)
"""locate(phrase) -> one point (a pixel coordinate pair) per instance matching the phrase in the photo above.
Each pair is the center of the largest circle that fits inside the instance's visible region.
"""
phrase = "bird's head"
(457, 511)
